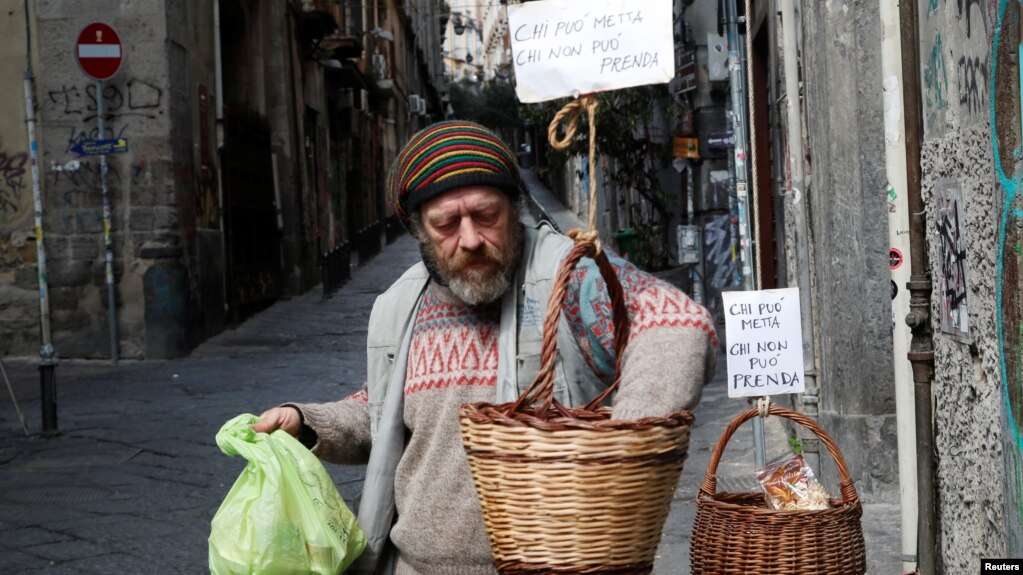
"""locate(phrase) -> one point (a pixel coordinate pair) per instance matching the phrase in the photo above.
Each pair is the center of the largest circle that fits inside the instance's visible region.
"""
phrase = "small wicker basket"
(739, 533)
(568, 490)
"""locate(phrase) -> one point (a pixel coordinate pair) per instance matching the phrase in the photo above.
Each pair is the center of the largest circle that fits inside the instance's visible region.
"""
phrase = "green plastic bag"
(283, 514)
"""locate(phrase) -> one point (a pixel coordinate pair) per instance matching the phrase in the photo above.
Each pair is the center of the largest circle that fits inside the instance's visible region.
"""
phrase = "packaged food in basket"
(789, 484)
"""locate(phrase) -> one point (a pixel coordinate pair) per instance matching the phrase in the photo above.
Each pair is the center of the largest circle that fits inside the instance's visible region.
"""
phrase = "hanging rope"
(569, 115)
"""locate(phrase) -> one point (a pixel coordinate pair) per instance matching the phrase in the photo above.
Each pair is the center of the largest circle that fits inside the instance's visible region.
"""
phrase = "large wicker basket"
(568, 490)
(739, 533)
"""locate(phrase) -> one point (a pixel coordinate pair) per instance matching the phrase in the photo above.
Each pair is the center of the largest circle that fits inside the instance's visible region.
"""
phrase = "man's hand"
(286, 418)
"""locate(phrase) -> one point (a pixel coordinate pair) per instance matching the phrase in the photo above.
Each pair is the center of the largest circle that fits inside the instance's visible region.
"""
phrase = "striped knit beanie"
(449, 155)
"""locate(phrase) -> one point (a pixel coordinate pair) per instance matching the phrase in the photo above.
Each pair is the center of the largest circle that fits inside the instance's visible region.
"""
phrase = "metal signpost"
(740, 129)
(47, 364)
(98, 51)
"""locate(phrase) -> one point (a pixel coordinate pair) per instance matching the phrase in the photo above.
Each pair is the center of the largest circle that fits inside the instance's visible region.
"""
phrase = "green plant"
(795, 445)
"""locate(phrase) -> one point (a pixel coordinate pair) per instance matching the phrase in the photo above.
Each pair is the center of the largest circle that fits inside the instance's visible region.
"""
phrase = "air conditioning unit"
(422, 107)
(380, 66)
(413, 103)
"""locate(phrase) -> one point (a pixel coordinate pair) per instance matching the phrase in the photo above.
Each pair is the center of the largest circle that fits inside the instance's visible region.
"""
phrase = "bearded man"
(466, 325)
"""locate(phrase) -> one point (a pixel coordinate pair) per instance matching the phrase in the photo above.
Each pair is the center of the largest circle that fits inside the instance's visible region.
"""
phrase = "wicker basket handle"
(542, 388)
(848, 490)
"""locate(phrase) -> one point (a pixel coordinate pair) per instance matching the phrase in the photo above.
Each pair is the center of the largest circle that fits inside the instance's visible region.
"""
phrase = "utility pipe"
(797, 192)
(777, 155)
(47, 364)
(898, 239)
(751, 140)
(921, 354)
(740, 124)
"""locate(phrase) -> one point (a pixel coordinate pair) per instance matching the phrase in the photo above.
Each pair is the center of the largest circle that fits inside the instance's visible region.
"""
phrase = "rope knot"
(590, 237)
(569, 115)
(764, 406)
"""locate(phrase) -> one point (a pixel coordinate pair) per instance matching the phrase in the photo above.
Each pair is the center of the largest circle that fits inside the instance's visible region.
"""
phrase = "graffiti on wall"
(12, 185)
(972, 78)
(966, 11)
(935, 83)
(952, 286)
(720, 266)
(77, 182)
(83, 176)
(136, 97)
(719, 262)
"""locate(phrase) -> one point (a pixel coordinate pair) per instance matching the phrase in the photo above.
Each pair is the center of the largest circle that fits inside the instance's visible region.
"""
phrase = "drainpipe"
(47, 364)
(737, 66)
(740, 125)
(921, 349)
(898, 238)
(797, 191)
(777, 156)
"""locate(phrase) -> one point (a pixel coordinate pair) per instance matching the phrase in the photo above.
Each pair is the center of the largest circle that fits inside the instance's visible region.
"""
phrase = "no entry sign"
(98, 51)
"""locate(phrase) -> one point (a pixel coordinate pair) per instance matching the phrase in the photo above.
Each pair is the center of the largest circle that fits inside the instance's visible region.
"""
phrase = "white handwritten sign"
(765, 342)
(566, 47)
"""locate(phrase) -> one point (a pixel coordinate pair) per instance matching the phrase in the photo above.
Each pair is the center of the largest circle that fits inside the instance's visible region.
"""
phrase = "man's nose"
(469, 236)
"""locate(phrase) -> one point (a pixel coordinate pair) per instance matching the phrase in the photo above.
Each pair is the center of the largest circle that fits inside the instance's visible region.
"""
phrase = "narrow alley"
(133, 479)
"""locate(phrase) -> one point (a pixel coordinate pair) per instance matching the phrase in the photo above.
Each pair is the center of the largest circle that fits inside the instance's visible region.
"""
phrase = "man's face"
(472, 238)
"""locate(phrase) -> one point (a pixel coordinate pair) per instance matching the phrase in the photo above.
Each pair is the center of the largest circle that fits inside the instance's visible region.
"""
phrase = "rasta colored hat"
(446, 156)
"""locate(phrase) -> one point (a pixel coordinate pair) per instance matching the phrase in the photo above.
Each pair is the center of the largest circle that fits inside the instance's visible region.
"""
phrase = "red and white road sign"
(98, 51)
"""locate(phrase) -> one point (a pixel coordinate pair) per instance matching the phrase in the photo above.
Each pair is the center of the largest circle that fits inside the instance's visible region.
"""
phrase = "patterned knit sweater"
(453, 360)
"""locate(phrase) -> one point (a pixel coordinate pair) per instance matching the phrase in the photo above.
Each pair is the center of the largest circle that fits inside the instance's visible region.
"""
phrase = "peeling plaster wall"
(962, 90)
(19, 283)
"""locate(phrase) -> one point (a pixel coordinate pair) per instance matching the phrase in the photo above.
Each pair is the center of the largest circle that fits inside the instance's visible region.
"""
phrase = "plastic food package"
(283, 515)
(789, 484)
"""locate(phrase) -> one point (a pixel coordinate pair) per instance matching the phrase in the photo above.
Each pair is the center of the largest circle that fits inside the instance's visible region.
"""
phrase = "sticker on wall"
(952, 273)
(894, 258)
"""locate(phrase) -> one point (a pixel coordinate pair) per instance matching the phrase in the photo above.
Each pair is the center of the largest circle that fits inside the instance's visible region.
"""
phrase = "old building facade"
(258, 134)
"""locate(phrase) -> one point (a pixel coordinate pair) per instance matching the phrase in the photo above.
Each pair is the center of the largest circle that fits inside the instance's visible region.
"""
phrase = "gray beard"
(478, 290)
(476, 287)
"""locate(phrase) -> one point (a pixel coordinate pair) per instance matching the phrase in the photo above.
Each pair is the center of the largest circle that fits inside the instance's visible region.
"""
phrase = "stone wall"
(845, 178)
(140, 182)
(157, 208)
